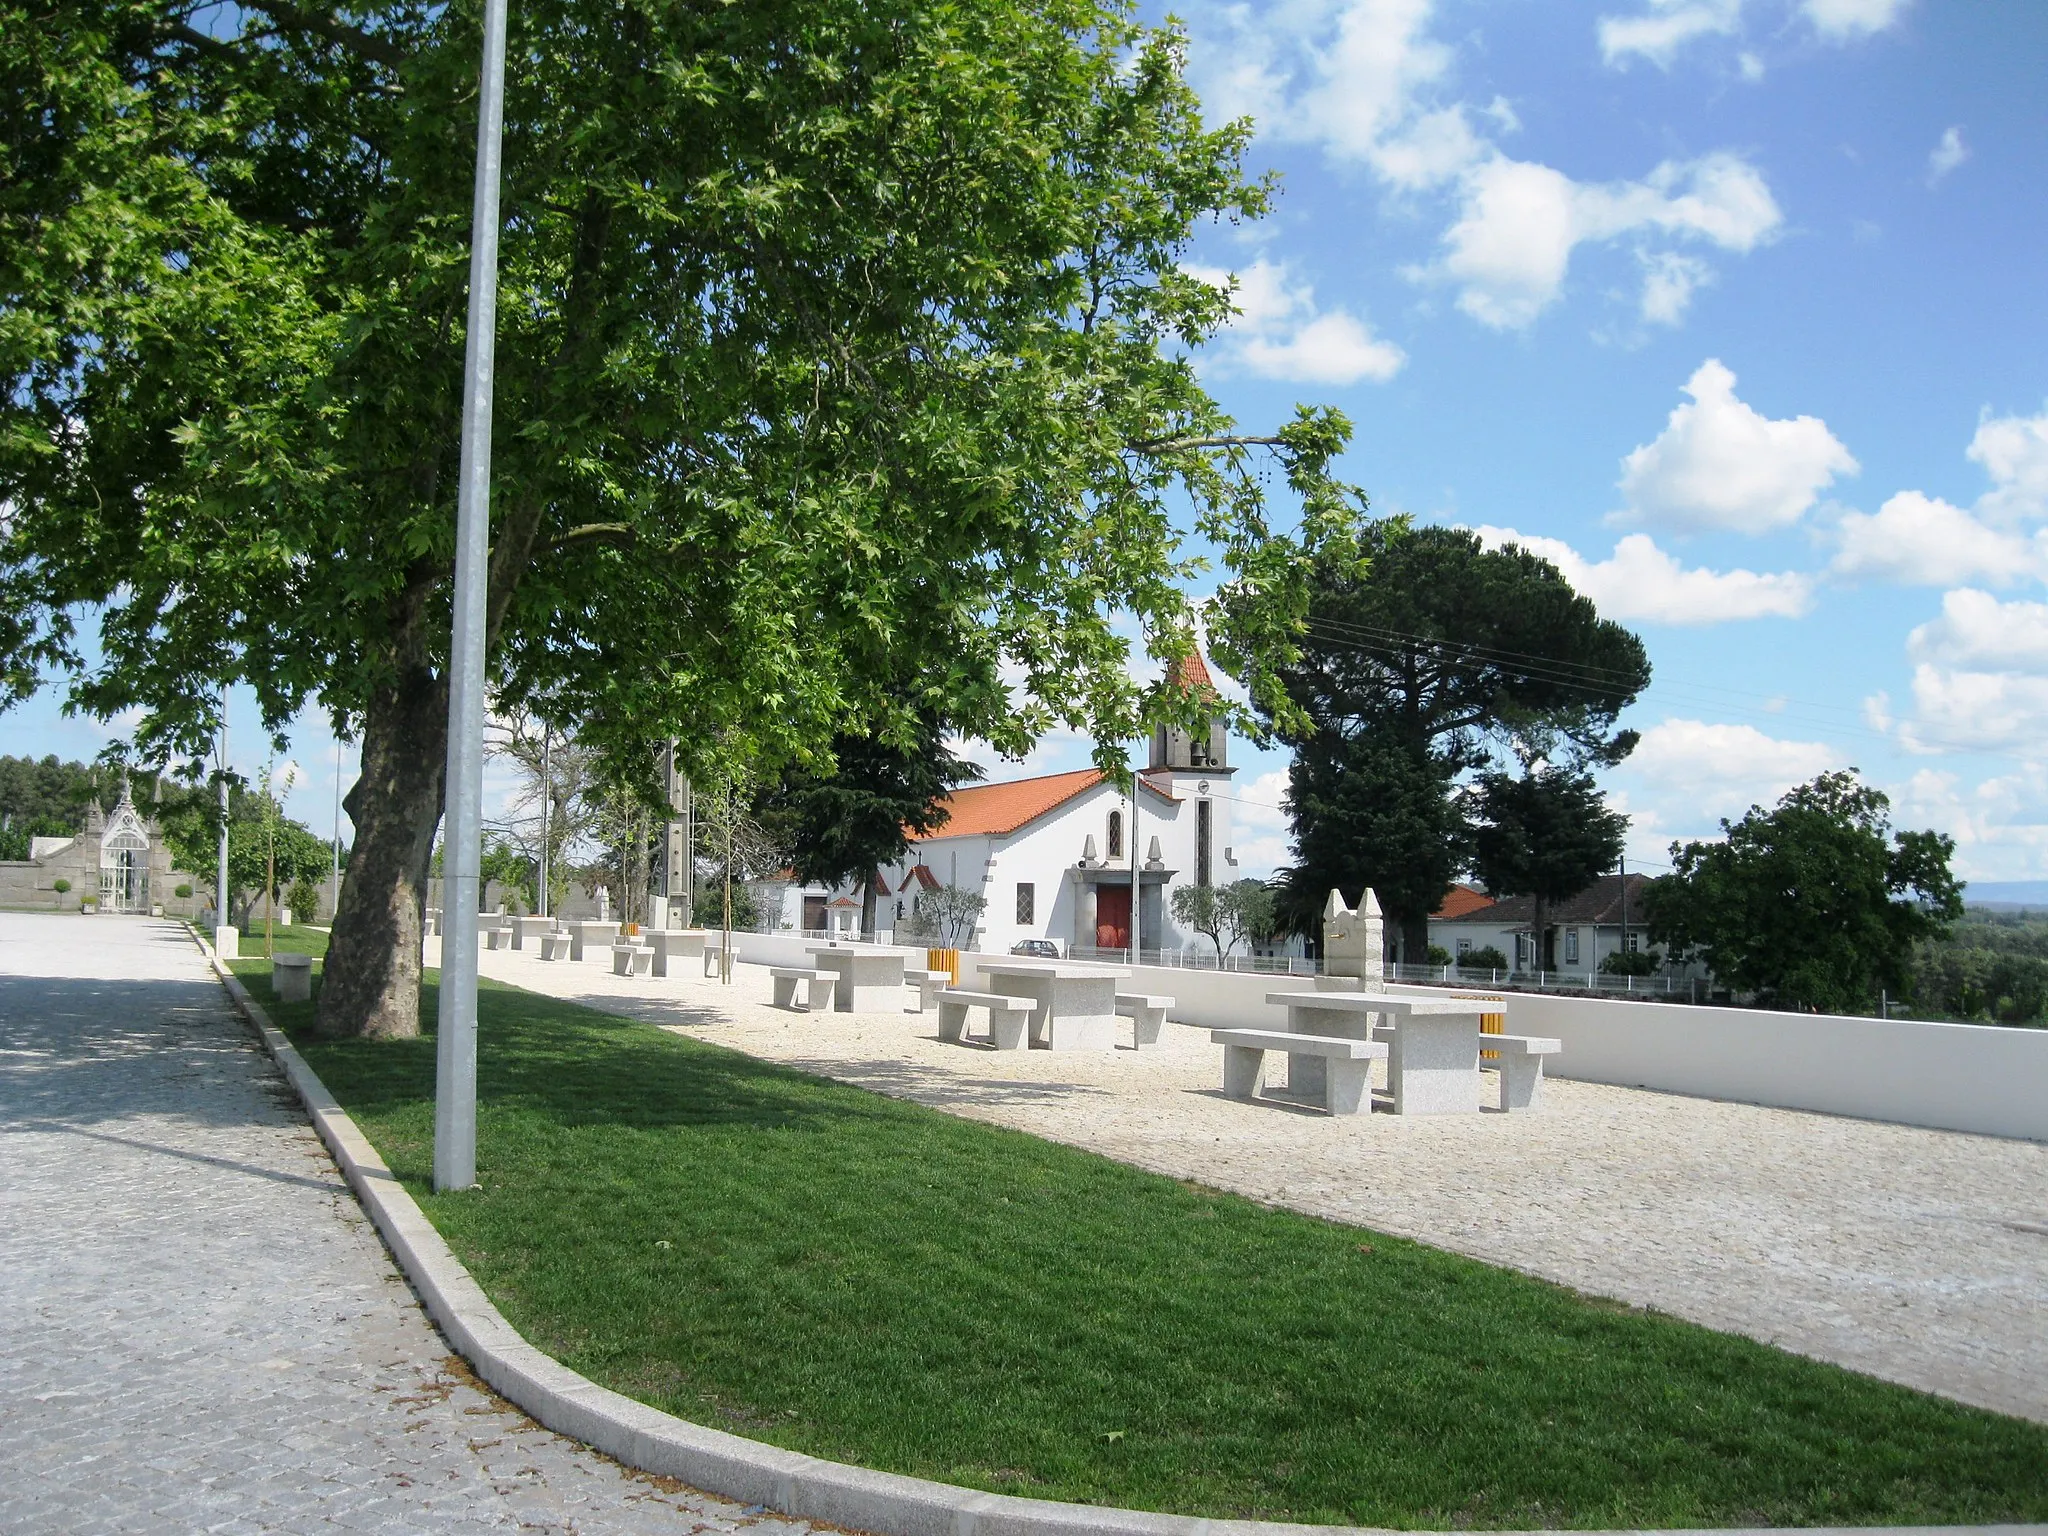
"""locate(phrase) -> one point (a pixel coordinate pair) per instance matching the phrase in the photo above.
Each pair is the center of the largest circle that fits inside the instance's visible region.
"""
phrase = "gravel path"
(198, 1328)
(1916, 1255)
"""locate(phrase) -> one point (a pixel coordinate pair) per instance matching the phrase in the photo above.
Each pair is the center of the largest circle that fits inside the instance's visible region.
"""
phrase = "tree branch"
(622, 534)
(1191, 444)
(378, 50)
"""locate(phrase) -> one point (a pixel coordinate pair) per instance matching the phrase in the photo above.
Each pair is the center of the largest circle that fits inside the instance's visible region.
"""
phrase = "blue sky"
(1737, 308)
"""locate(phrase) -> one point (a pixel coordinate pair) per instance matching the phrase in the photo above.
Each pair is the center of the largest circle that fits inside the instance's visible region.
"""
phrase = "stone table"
(870, 975)
(1076, 1004)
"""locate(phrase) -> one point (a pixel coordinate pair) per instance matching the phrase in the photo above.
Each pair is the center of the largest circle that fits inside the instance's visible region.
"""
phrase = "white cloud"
(1259, 835)
(1843, 21)
(1366, 81)
(1641, 582)
(1958, 710)
(1667, 26)
(1721, 770)
(1520, 222)
(2013, 451)
(1669, 282)
(1280, 334)
(1977, 631)
(1946, 155)
(1719, 463)
(1920, 540)
(2000, 824)
(1980, 675)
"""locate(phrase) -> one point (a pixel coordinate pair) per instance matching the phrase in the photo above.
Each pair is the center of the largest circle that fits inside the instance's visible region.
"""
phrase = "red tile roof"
(1462, 901)
(922, 874)
(994, 809)
(1190, 674)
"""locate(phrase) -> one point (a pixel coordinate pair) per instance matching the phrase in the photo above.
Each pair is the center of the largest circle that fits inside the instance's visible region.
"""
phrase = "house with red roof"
(1058, 856)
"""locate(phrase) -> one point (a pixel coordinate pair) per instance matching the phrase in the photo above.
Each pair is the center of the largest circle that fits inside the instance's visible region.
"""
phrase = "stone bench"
(497, 938)
(817, 985)
(928, 984)
(1146, 1015)
(291, 977)
(1009, 1018)
(1520, 1066)
(1347, 1082)
(632, 959)
(712, 952)
(555, 946)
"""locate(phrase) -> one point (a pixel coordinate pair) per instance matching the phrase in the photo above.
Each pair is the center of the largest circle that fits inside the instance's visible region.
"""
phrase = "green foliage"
(183, 891)
(1638, 962)
(947, 916)
(1485, 958)
(1544, 833)
(60, 885)
(866, 1279)
(303, 897)
(1433, 660)
(847, 820)
(1200, 908)
(1992, 966)
(1437, 955)
(1250, 913)
(512, 869)
(840, 342)
(1814, 904)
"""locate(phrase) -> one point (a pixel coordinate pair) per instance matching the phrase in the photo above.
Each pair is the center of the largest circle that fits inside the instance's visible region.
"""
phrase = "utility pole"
(455, 1042)
(547, 796)
(1137, 887)
(225, 938)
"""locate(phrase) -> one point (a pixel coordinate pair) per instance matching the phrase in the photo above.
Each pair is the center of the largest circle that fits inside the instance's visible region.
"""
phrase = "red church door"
(1113, 916)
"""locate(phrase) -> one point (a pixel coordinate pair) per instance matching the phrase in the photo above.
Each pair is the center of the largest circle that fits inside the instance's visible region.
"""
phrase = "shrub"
(183, 892)
(61, 886)
(304, 900)
(1438, 955)
(1487, 959)
(1642, 962)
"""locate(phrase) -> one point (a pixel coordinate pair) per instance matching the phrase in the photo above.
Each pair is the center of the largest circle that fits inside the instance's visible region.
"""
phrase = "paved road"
(198, 1327)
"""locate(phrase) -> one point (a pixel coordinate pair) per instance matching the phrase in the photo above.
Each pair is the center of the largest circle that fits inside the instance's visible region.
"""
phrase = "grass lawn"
(876, 1282)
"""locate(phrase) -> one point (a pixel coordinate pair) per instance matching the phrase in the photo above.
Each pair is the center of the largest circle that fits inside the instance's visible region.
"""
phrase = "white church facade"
(1053, 855)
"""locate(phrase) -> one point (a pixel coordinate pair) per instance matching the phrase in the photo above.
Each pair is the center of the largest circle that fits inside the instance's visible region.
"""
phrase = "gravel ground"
(1919, 1256)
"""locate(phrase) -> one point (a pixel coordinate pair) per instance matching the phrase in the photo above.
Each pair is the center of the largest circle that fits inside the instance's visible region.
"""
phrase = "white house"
(1585, 928)
(1053, 855)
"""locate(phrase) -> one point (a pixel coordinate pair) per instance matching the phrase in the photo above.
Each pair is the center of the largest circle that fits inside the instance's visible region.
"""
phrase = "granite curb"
(788, 1482)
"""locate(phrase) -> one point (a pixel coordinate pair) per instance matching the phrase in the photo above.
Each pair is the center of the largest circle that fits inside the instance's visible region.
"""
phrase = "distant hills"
(2006, 895)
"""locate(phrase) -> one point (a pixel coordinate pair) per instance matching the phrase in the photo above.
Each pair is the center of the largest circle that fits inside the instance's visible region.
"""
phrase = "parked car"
(1038, 949)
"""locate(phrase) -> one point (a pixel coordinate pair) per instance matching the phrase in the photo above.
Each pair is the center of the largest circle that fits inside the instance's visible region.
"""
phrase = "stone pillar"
(1354, 943)
(1084, 914)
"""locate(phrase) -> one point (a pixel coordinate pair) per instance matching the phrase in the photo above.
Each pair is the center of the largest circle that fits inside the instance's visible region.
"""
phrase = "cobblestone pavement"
(1916, 1255)
(199, 1329)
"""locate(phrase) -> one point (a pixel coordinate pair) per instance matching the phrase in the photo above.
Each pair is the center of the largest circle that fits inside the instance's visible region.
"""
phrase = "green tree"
(1545, 833)
(839, 342)
(947, 914)
(846, 820)
(1813, 904)
(1434, 659)
(1250, 912)
(1200, 907)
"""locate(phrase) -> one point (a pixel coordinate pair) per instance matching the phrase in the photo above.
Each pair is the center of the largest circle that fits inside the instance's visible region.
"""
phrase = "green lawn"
(871, 1281)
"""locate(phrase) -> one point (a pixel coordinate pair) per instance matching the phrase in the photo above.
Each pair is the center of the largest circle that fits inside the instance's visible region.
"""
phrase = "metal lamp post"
(455, 1046)
(223, 920)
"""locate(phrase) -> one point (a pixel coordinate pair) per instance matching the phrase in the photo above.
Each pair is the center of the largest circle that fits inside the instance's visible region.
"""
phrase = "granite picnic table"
(1075, 1003)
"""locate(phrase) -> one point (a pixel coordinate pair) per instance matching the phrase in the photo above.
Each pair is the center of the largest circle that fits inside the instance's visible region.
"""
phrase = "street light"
(455, 1046)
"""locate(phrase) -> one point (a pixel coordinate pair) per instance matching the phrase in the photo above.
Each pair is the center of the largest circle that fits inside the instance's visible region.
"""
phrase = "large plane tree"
(840, 341)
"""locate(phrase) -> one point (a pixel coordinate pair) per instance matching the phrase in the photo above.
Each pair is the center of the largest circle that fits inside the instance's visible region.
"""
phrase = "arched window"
(1116, 834)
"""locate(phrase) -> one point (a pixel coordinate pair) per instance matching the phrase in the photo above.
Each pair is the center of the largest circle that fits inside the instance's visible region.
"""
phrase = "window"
(1027, 902)
(1571, 946)
(1116, 834)
(1205, 824)
(1635, 942)
(1464, 946)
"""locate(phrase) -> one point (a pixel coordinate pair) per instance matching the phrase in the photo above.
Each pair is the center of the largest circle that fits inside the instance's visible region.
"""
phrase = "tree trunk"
(1414, 940)
(867, 902)
(372, 975)
(1540, 924)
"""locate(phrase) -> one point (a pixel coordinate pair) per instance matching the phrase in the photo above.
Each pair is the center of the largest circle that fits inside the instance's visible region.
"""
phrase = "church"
(1053, 855)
